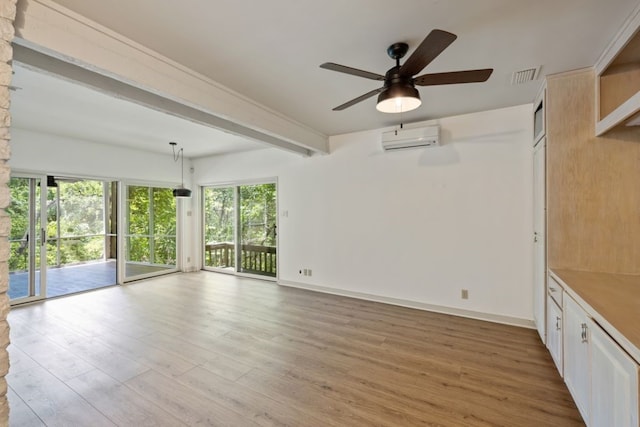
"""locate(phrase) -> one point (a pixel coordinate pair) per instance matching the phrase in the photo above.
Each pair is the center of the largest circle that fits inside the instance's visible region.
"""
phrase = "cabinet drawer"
(555, 291)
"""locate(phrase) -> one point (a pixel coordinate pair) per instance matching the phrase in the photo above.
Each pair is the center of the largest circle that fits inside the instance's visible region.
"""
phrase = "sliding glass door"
(26, 260)
(150, 236)
(257, 229)
(78, 255)
(59, 239)
(239, 227)
(219, 228)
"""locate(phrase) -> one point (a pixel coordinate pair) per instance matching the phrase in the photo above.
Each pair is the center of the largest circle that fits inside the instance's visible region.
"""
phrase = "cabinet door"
(614, 383)
(554, 332)
(576, 355)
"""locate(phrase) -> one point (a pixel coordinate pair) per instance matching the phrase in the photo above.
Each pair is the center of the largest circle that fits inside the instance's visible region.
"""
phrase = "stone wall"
(7, 16)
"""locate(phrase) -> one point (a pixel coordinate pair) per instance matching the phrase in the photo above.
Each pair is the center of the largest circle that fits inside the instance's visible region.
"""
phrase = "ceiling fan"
(399, 94)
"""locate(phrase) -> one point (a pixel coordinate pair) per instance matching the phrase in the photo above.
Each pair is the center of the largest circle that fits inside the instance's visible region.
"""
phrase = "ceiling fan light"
(398, 99)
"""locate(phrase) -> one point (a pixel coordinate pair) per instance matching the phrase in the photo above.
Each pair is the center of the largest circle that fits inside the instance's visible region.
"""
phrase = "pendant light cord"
(177, 156)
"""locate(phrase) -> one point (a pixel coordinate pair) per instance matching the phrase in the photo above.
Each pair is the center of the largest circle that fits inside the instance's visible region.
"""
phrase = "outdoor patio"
(78, 278)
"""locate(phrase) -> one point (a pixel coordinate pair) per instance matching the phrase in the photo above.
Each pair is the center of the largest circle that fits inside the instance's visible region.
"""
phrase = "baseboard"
(495, 318)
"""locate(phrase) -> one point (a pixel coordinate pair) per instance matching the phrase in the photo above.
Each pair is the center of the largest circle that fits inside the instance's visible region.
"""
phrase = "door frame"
(540, 238)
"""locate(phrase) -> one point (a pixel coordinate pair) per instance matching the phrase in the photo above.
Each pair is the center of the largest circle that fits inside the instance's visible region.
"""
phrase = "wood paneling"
(593, 194)
(211, 349)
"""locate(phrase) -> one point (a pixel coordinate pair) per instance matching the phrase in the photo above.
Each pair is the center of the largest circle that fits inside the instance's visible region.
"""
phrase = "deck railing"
(255, 259)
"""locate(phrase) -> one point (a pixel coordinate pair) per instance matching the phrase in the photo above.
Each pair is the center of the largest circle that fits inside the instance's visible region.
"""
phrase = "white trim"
(628, 29)
(495, 318)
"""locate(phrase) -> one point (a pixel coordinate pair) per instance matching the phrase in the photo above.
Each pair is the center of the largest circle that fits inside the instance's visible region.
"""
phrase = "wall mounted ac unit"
(411, 138)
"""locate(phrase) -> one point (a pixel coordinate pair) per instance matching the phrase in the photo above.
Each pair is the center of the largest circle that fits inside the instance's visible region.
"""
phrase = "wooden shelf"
(618, 79)
(627, 112)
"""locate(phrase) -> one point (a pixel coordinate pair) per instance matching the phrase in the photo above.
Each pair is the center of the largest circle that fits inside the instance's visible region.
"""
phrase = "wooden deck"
(212, 349)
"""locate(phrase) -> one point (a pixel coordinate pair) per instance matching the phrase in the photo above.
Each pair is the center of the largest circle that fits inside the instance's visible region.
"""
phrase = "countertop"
(612, 300)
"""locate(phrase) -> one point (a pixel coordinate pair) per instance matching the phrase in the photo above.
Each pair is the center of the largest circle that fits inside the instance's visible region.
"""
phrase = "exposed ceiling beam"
(45, 27)
(40, 62)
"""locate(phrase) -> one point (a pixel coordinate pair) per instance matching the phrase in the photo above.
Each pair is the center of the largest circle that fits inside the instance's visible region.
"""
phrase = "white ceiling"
(270, 51)
(93, 116)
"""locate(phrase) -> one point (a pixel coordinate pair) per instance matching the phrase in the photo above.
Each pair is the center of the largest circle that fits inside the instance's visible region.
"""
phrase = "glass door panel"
(257, 229)
(76, 237)
(163, 223)
(24, 239)
(150, 237)
(219, 228)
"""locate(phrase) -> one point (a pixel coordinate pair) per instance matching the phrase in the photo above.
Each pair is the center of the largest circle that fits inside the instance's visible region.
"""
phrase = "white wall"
(417, 225)
(35, 152)
(38, 152)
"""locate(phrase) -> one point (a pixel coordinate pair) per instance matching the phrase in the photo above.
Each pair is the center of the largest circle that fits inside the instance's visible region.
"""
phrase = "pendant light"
(179, 191)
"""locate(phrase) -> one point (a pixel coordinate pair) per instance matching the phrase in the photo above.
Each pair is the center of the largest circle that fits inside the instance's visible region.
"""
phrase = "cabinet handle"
(584, 333)
(557, 323)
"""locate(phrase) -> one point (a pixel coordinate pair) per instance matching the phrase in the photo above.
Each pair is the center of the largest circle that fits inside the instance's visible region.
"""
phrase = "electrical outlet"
(188, 259)
(465, 294)
(310, 273)
(306, 271)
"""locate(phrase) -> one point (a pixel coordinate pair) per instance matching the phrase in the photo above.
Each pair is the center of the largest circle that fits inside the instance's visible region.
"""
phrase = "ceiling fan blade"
(454, 77)
(432, 46)
(358, 99)
(353, 71)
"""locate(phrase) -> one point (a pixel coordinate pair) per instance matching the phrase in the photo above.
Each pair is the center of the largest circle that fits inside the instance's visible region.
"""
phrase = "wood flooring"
(212, 349)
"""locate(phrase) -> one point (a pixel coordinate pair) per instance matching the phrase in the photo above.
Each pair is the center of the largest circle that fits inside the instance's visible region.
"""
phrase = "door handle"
(583, 335)
(43, 237)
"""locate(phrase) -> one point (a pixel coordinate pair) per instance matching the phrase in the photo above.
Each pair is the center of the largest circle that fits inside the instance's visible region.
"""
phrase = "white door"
(576, 355)
(614, 383)
(539, 237)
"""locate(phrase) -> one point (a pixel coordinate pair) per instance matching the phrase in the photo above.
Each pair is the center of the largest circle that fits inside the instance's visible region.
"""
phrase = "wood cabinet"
(614, 383)
(554, 333)
(539, 115)
(618, 79)
(576, 355)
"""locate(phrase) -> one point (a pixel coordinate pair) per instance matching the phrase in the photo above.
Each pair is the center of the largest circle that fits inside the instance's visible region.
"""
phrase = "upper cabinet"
(539, 115)
(618, 79)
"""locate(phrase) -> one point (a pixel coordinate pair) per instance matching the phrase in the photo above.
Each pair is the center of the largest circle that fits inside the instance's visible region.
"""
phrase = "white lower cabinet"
(614, 383)
(554, 332)
(576, 355)
(602, 378)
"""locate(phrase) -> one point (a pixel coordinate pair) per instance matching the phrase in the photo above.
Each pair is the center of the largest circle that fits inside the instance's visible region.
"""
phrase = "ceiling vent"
(525, 76)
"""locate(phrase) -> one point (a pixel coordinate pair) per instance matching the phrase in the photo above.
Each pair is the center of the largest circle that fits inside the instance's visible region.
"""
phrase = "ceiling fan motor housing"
(396, 85)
